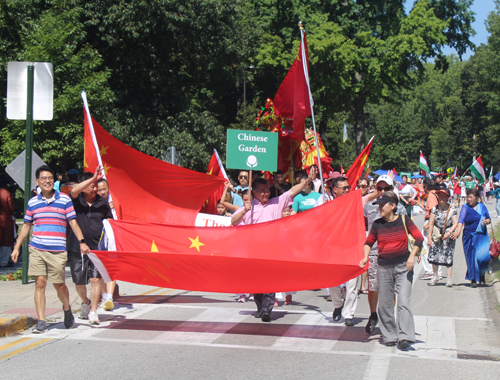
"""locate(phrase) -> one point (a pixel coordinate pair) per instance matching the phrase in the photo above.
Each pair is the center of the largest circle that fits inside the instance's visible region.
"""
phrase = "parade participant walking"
(441, 252)
(6, 224)
(347, 308)
(91, 209)
(260, 210)
(108, 289)
(407, 195)
(372, 213)
(364, 185)
(306, 199)
(49, 213)
(279, 185)
(496, 193)
(243, 178)
(457, 190)
(395, 270)
(474, 218)
(432, 201)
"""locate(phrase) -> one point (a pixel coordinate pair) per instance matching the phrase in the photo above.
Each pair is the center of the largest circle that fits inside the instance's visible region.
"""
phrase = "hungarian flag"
(424, 166)
(259, 258)
(357, 167)
(293, 99)
(214, 168)
(144, 188)
(477, 169)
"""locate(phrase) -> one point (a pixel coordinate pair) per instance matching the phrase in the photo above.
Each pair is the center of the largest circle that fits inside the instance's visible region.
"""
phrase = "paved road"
(161, 333)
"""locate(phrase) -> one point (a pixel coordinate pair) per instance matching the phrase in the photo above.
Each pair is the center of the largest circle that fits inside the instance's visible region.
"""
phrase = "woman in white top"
(407, 194)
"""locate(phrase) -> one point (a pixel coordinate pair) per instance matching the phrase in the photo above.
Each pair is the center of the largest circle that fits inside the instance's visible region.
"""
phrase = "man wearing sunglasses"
(372, 213)
(346, 309)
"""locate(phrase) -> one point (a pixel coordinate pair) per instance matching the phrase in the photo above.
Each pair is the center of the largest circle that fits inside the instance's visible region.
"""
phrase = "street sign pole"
(29, 159)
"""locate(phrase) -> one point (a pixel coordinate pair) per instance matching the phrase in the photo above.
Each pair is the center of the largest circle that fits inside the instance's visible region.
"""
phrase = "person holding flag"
(260, 210)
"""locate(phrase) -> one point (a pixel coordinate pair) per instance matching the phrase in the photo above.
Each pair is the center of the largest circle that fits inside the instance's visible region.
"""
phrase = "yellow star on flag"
(106, 167)
(210, 172)
(195, 243)
(104, 150)
(85, 165)
(363, 160)
(154, 248)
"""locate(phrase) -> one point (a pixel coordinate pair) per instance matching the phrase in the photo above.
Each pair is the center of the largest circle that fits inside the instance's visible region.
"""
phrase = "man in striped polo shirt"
(49, 212)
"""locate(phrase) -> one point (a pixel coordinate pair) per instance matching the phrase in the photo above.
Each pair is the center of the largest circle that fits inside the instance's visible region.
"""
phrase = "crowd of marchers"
(450, 207)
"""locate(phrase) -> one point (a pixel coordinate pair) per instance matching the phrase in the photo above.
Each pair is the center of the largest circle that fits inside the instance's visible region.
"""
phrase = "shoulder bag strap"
(446, 220)
(404, 224)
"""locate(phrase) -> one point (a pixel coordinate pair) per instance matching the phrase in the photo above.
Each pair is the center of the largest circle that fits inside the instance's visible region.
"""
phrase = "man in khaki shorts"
(49, 213)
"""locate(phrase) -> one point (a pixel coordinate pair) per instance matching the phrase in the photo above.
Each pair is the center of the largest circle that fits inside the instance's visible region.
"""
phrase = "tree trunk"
(359, 124)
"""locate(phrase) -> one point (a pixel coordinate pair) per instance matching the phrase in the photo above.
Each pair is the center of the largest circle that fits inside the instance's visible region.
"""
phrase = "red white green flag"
(477, 168)
(424, 166)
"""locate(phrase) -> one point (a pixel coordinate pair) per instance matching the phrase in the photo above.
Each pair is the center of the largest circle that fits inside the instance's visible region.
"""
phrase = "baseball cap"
(386, 179)
(73, 171)
(384, 199)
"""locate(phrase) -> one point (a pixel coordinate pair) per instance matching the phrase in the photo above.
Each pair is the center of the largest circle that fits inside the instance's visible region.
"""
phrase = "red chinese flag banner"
(262, 258)
(144, 188)
(357, 167)
(210, 205)
(292, 99)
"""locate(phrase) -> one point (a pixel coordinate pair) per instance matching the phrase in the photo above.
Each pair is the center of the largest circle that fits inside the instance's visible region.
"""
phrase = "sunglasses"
(362, 186)
(345, 188)
(388, 188)
(242, 177)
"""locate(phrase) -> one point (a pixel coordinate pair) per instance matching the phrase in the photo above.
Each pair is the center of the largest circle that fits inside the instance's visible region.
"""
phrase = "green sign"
(252, 150)
(470, 184)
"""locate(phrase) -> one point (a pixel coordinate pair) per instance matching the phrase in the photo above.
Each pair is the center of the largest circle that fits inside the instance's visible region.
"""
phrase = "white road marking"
(437, 334)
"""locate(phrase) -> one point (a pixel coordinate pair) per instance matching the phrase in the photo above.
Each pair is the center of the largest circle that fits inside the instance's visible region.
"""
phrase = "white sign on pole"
(16, 169)
(17, 90)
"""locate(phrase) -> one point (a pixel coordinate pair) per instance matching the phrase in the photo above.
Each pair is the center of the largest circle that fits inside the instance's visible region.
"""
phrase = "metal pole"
(172, 155)
(306, 75)
(28, 162)
(244, 93)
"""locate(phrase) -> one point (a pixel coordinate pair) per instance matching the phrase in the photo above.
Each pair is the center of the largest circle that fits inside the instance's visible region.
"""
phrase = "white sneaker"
(449, 284)
(243, 298)
(94, 318)
(108, 304)
(84, 312)
(433, 281)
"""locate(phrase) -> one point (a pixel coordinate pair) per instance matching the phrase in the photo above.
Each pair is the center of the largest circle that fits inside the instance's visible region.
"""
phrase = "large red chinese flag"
(144, 188)
(210, 205)
(280, 255)
(292, 99)
(357, 167)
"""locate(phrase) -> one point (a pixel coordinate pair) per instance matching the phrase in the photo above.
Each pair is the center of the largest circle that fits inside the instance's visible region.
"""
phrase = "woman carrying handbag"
(395, 270)
(444, 221)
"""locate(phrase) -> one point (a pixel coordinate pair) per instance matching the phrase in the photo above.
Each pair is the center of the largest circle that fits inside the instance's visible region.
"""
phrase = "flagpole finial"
(301, 26)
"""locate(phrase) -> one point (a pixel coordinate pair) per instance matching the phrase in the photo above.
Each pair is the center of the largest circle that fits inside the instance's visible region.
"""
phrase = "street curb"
(16, 324)
(496, 289)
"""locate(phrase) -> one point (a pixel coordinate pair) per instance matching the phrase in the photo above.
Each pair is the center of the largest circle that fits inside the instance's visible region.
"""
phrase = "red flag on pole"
(145, 188)
(270, 256)
(214, 168)
(292, 99)
(357, 167)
